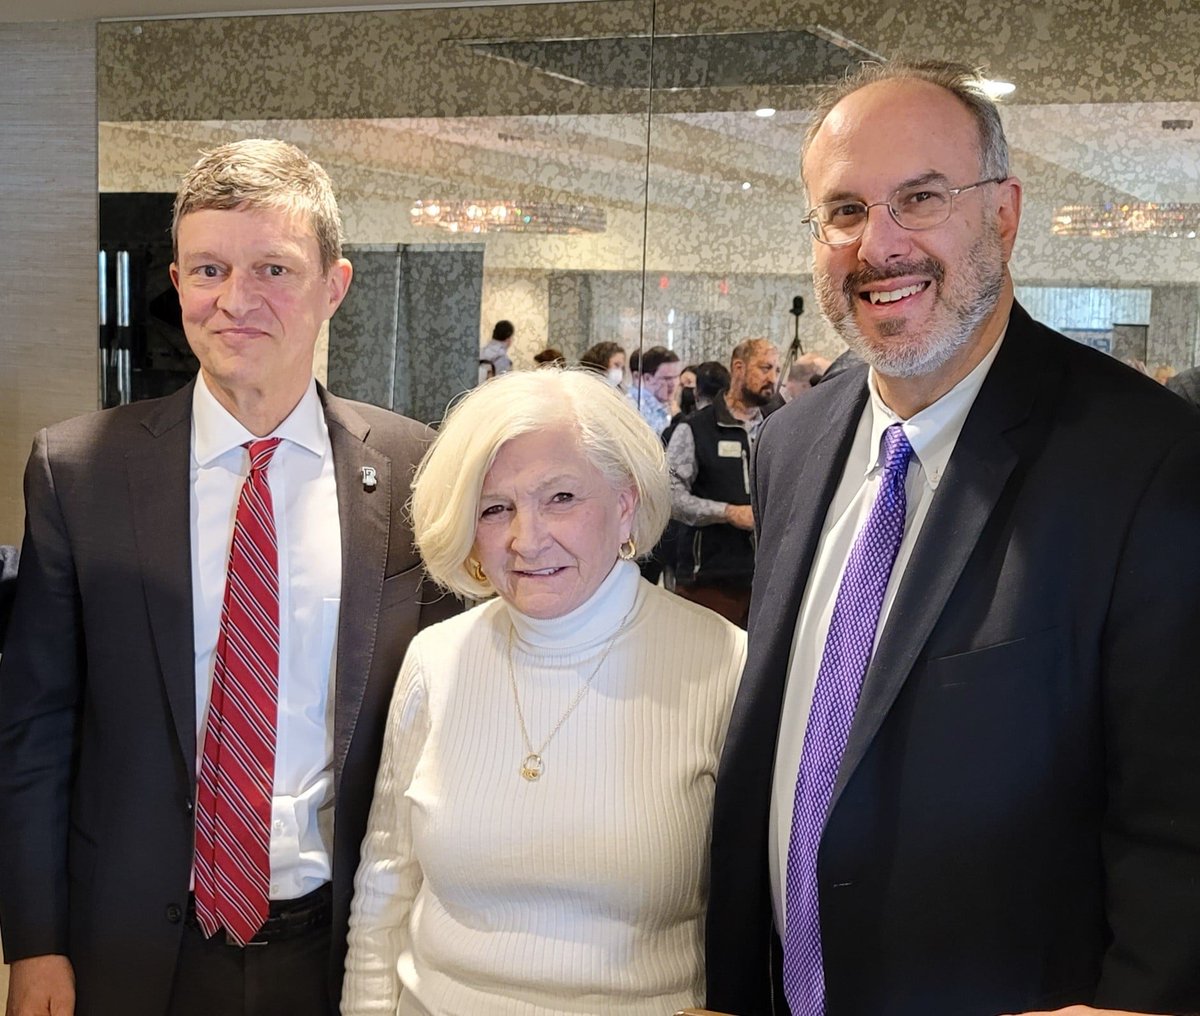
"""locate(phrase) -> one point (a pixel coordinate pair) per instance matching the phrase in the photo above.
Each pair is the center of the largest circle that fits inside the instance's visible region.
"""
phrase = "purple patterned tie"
(848, 648)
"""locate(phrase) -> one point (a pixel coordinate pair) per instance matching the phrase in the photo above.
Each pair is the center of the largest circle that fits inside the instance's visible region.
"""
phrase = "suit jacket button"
(174, 913)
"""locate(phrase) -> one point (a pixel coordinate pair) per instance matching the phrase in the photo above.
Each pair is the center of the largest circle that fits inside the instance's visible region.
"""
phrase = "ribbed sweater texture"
(482, 893)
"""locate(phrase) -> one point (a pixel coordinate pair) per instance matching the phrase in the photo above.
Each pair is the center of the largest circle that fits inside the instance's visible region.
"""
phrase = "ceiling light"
(1171, 220)
(508, 216)
(764, 112)
(997, 89)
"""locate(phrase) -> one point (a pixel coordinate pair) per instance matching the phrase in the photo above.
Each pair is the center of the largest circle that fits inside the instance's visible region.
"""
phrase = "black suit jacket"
(97, 686)
(1016, 821)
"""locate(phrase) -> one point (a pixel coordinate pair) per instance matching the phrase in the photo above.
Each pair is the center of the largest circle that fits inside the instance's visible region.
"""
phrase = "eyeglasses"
(915, 207)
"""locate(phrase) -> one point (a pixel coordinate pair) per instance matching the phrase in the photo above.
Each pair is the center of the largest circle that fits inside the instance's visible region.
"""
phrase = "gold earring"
(628, 550)
(476, 570)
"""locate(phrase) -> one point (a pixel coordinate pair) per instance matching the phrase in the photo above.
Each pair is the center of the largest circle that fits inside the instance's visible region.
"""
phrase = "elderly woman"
(538, 841)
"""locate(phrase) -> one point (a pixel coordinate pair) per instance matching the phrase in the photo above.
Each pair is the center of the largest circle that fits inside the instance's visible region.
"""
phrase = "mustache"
(855, 281)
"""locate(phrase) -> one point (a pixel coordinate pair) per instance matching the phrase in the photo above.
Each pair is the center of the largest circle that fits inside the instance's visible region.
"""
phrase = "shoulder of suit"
(384, 423)
(1114, 392)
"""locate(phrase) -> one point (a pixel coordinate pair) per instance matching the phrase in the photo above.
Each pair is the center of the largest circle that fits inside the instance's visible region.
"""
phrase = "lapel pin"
(369, 478)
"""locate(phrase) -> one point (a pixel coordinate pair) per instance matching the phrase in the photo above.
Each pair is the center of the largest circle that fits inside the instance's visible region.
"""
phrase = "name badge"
(729, 449)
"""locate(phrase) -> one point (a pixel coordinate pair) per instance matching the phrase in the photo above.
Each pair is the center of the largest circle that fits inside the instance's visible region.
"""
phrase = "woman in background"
(538, 841)
(609, 359)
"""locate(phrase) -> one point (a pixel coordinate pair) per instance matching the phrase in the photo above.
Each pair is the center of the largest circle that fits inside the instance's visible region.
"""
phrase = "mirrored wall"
(628, 170)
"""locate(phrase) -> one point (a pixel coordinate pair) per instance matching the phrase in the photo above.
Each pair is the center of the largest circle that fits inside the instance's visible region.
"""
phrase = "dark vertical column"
(362, 334)
(441, 295)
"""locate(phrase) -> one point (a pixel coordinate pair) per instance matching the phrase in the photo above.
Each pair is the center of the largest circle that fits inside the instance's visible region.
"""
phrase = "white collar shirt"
(304, 495)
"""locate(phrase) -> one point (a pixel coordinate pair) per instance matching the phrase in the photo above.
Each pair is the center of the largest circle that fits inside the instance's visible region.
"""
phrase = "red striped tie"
(237, 768)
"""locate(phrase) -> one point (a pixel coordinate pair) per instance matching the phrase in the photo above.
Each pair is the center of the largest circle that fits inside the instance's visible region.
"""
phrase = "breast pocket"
(1030, 655)
(985, 725)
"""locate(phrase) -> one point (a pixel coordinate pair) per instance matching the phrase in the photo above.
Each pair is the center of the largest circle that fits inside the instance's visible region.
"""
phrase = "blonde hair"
(262, 173)
(611, 434)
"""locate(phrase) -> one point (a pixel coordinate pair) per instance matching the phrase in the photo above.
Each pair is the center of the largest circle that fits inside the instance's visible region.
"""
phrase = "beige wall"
(48, 235)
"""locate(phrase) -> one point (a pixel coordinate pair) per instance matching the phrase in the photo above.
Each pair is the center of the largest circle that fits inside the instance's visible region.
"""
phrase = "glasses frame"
(810, 218)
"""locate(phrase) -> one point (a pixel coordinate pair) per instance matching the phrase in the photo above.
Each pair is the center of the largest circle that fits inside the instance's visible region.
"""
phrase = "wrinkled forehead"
(889, 133)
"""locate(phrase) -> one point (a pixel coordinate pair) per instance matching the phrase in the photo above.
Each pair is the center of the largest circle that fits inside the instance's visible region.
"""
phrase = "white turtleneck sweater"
(480, 892)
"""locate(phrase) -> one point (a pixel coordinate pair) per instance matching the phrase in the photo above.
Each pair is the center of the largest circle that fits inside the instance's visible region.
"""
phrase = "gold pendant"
(532, 767)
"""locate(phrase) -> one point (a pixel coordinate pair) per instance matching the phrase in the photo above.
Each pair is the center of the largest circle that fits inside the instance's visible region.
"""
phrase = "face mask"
(615, 376)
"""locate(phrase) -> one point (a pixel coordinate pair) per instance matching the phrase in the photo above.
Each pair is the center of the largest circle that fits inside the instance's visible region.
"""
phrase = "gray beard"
(984, 269)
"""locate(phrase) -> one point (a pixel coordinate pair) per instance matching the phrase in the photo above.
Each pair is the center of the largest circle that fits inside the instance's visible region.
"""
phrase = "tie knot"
(261, 452)
(896, 449)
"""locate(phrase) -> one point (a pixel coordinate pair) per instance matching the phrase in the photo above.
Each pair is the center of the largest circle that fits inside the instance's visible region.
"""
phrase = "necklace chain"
(532, 765)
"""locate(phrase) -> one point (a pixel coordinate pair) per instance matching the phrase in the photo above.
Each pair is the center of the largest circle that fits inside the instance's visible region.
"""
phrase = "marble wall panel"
(1174, 335)
(441, 297)
(521, 297)
(363, 342)
(361, 64)
(405, 337)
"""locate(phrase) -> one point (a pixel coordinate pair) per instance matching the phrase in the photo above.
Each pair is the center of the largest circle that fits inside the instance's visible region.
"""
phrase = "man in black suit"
(121, 616)
(962, 775)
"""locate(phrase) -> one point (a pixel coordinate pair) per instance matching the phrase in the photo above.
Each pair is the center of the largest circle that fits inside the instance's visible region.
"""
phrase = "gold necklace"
(532, 765)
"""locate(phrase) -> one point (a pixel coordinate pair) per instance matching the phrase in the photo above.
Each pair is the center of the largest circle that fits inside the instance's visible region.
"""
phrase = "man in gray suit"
(125, 635)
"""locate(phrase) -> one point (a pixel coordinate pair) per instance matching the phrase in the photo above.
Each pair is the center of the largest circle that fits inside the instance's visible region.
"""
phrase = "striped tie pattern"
(237, 767)
(847, 652)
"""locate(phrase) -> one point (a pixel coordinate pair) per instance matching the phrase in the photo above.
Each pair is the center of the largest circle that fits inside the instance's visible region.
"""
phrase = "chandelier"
(507, 217)
(1173, 220)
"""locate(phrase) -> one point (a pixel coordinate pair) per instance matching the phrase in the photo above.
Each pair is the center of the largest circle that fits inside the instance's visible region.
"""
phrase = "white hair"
(611, 435)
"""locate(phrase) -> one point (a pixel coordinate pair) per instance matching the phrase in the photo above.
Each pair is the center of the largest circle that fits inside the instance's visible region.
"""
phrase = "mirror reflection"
(514, 164)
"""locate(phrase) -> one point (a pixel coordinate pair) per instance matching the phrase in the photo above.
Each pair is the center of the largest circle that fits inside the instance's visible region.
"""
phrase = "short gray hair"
(963, 82)
(262, 173)
(448, 482)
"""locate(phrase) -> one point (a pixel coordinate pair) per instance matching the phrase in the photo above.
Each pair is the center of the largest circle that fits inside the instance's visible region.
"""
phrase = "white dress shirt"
(932, 433)
(308, 533)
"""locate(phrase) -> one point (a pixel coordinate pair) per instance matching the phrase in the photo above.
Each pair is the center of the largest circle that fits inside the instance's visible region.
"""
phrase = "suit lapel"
(159, 476)
(983, 459)
(364, 517)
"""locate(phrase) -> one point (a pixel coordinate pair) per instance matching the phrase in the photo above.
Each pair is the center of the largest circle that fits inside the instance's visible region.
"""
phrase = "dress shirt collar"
(215, 431)
(595, 620)
(933, 431)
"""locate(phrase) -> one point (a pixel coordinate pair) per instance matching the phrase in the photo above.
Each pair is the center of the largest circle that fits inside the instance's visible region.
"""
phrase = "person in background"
(538, 838)
(709, 459)
(712, 378)
(215, 594)
(657, 377)
(803, 375)
(496, 350)
(963, 772)
(550, 357)
(685, 394)
(1186, 384)
(609, 359)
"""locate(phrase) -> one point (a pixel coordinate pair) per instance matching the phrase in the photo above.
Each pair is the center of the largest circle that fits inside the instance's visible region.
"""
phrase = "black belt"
(286, 918)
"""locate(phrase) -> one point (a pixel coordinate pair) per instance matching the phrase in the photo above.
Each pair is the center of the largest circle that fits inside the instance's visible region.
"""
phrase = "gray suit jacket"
(97, 687)
(1016, 820)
